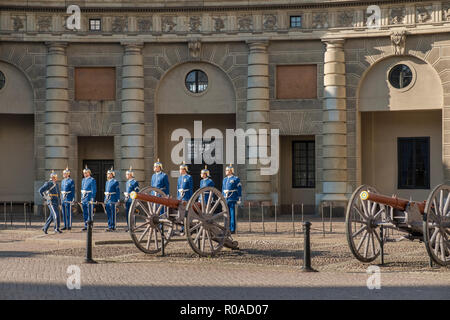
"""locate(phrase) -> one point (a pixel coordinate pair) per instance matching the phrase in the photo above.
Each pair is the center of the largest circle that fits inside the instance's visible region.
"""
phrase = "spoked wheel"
(362, 225)
(436, 227)
(146, 221)
(207, 221)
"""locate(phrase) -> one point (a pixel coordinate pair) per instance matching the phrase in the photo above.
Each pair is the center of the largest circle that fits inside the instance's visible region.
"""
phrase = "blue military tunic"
(88, 193)
(67, 196)
(131, 185)
(52, 190)
(206, 182)
(112, 196)
(185, 187)
(160, 180)
(232, 191)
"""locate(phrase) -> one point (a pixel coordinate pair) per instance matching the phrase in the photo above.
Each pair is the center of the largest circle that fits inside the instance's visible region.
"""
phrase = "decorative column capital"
(334, 43)
(258, 45)
(132, 47)
(56, 47)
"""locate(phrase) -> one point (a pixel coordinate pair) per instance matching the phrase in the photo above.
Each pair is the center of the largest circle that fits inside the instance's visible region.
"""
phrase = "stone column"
(133, 111)
(56, 109)
(258, 187)
(334, 123)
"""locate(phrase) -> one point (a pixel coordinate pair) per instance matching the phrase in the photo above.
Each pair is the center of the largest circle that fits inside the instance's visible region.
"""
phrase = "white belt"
(108, 193)
(65, 192)
(125, 194)
(182, 191)
(84, 192)
(229, 192)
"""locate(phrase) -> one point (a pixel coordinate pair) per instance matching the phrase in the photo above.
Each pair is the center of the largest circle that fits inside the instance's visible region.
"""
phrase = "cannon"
(153, 217)
(369, 213)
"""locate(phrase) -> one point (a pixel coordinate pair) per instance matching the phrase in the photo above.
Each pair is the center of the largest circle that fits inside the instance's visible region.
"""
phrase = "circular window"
(2, 80)
(196, 81)
(400, 76)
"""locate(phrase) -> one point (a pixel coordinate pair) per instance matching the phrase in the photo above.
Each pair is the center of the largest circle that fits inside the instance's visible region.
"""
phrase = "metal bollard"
(236, 214)
(249, 219)
(323, 221)
(331, 217)
(307, 249)
(4, 211)
(162, 239)
(89, 242)
(11, 214)
(262, 217)
(25, 215)
(276, 228)
(382, 244)
(293, 224)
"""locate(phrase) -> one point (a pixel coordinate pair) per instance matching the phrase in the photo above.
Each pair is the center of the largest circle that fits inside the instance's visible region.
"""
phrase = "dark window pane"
(303, 168)
(196, 81)
(413, 163)
(400, 76)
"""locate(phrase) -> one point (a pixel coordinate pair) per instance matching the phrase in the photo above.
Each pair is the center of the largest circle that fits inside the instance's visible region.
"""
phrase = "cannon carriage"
(153, 217)
(369, 213)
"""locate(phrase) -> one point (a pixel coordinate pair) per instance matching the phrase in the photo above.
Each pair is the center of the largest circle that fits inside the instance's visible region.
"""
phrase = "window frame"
(196, 81)
(307, 143)
(290, 21)
(427, 178)
(99, 20)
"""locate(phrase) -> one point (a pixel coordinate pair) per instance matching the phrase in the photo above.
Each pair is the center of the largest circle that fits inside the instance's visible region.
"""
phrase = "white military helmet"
(53, 174)
(184, 166)
(158, 164)
(86, 169)
(66, 170)
(130, 171)
(205, 171)
(230, 167)
(111, 171)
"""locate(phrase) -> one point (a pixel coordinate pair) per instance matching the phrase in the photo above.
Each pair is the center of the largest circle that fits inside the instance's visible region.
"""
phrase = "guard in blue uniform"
(67, 198)
(112, 196)
(50, 192)
(160, 180)
(88, 193)
(132, 185)
(205, 182)
(232, 191)
(185, 185)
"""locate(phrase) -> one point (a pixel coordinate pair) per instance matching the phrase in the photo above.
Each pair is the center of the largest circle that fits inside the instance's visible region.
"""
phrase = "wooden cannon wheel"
(362, 225)
(207, 221)
(436, 227)
(147, 220)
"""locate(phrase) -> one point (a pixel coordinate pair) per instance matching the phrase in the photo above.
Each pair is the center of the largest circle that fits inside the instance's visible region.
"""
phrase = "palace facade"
(358, 95)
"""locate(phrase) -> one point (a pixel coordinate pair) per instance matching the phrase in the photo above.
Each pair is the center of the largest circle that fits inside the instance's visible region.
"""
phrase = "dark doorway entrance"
(99, 169)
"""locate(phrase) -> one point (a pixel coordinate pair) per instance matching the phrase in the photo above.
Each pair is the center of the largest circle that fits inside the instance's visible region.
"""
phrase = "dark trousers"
(53, 216)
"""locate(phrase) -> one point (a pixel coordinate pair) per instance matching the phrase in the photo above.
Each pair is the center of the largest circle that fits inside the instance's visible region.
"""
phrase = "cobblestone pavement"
(267, 266)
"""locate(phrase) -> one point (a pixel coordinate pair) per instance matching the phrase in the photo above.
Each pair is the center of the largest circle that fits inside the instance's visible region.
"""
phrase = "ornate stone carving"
(168, 23)
(270, 22)
(320, 20)
(245, 23)
(17, 23)
(44, 23)
(397, 15)
(195, 48)
(345, 18)
(219, 24)
(120, 24)
(398, 40)
(446, 11)
(144, 24)
(423, 14)
(195, 23)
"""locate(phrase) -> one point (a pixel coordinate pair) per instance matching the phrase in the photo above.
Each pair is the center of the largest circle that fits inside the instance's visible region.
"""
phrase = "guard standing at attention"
(160, 180)
(50, 192)
(67, 198)
(205, 182)
(88, 192)
(132, 185)
(112, 196)
(232, 191)
(185, 185)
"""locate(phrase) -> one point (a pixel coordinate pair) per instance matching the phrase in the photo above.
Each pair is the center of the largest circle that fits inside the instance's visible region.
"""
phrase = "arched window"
(400, 76)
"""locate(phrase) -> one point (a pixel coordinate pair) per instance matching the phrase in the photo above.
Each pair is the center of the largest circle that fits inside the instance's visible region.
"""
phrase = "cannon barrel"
(171, 203)
(394, 202)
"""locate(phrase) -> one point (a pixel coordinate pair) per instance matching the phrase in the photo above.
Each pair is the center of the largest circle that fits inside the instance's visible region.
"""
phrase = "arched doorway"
(16, 135)
(400, 124)
(189, 93)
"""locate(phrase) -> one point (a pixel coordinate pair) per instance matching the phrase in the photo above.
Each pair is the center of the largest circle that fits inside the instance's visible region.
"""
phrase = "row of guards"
(64, 199)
